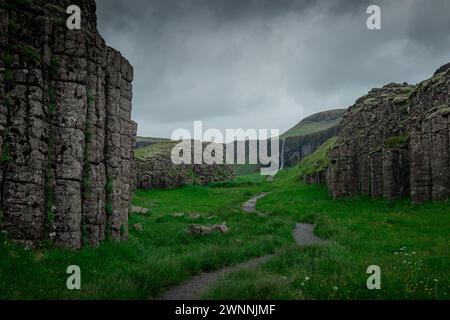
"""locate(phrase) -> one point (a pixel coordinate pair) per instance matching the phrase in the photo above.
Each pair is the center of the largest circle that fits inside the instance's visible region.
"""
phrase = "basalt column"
(66, 134)
(399, 137)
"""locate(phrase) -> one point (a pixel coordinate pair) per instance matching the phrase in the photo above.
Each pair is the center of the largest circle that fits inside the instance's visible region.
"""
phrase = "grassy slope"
(151, 139)
(157, 148)
(312, 124)
(315, 123)
(361, 232)
(308, 127)
(316, 161)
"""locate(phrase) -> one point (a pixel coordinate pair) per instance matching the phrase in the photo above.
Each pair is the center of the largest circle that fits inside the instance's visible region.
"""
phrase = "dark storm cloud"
(266, 63)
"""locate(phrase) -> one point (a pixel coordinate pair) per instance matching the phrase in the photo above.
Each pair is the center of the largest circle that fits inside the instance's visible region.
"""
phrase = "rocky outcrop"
(155, 169)
(394, 142)
(297, 148)
(66, 135)
(307, 135)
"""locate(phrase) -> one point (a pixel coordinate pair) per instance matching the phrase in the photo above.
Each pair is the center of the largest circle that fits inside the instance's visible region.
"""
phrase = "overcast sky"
(266, 63)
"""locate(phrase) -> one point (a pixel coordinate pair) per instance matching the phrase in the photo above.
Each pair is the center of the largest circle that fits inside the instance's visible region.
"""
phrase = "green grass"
(315, 123)
(147, 142)
(152, 261)
(245, 169)
(409, 243)
(360, 231)
(151, 139)
(309, 127)
(396, 141)
(155, 149)
(316, 161)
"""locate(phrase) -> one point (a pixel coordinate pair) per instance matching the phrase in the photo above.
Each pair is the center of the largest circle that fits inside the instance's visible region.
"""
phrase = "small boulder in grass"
(138, 227)
(198, 229)
(178, 215)
(194, 216)
(222, 227)
(202, 230)
(141, 210)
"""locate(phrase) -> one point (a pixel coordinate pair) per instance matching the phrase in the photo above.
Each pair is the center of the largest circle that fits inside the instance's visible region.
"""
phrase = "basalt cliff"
(395, 142)
(66, 134)
(156, 170)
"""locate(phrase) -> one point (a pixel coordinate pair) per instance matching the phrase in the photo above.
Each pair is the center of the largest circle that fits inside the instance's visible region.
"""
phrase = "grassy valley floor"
(410, 244)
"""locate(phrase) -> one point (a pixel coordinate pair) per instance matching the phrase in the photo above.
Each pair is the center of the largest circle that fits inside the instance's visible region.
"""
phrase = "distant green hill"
(310, 125)
(309, 130)
(315, 123)
(142, 142)
(154, 148)
(151, 139)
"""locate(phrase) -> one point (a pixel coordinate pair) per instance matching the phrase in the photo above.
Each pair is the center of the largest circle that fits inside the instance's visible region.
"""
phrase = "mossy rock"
(400, 100)
(371, 101)
(396, 142)
(375, 150)
(405, 90)
(440, 111)
(6, 154)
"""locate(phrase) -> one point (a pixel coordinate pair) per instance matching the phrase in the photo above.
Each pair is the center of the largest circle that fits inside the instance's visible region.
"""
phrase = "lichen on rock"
(62, 145)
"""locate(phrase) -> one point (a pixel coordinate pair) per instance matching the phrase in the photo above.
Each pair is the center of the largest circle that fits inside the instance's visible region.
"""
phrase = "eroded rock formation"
(66, 135)
(155, 169)
(296, 148)
(395, 142)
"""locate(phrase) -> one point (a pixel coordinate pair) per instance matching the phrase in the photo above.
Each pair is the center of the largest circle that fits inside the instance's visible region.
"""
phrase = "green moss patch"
(396, 142)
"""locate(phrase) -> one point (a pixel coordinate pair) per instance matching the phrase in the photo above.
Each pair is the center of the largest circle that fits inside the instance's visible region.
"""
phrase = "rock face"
(307, 135)
(66, 135)
(155, 170)
(394, 142)
(296, 148)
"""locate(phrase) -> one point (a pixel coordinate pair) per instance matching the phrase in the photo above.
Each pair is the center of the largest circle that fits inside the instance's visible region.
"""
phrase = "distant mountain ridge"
(142, 142)
(316, 122)
(300, 140)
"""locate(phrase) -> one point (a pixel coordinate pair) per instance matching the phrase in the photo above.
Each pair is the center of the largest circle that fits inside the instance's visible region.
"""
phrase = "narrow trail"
(303, 234)
(191, 289)
(250, 205)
